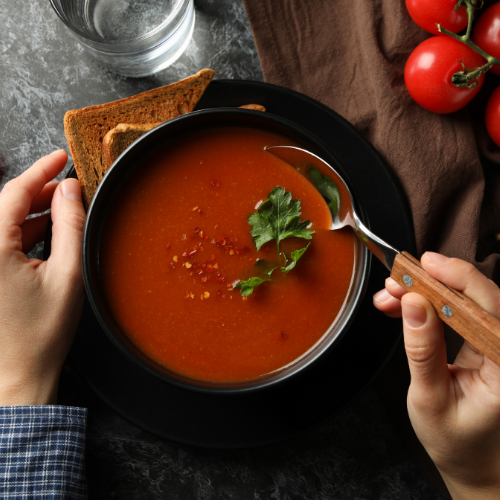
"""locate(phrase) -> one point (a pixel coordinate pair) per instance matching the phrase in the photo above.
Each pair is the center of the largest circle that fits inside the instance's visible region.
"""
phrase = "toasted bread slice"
(255, 107)
(85, 128)
(118, 139)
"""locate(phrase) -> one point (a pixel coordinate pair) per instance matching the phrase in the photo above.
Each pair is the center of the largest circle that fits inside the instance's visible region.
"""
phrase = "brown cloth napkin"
(350, 55)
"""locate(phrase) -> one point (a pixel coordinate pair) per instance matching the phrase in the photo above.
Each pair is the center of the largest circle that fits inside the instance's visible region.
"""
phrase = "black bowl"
(130, 159)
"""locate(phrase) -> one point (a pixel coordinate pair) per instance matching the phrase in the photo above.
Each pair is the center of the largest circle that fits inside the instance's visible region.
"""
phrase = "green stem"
(468, 78)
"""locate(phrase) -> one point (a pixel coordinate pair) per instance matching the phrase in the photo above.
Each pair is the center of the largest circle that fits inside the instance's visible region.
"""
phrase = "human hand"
(454, 409)
(40, 302)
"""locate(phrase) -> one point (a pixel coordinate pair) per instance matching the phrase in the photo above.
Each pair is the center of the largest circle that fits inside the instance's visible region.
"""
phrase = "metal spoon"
(466, 317)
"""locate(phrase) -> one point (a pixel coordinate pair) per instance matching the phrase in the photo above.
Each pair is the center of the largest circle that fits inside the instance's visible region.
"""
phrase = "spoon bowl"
(334, 189)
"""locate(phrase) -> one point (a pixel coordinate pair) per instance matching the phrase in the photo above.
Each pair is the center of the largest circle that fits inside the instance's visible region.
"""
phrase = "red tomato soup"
(177, 237)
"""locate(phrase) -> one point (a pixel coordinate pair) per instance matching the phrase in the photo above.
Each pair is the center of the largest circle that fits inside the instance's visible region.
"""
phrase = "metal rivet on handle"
(407, 280)
(447, 311)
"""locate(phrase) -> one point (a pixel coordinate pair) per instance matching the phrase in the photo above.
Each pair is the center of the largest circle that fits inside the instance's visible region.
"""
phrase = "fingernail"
(382, 296)
(390, 282)
(58, 151)
(414, 315)
(71, 190)
(436, 258)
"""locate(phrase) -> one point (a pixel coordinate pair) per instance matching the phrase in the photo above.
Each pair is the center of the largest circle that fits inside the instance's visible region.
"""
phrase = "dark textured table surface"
(355, 456)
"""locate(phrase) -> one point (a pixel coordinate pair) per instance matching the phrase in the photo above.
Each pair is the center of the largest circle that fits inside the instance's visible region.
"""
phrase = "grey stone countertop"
(356, 455)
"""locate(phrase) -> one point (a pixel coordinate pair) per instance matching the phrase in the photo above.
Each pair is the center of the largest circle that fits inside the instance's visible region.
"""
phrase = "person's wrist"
(459, 490)
(29, 391)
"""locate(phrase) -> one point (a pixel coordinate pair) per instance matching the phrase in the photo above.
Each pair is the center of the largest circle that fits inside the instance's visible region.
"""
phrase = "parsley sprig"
(277, 218)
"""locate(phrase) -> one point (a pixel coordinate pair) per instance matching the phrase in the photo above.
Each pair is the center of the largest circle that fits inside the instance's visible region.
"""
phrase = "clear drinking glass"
(132, 37)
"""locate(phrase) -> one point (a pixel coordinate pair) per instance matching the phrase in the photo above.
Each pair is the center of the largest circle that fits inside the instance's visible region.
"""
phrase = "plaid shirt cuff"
(42, 452)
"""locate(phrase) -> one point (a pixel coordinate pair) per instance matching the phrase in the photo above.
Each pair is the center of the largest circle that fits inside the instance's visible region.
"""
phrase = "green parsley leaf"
(295, 255)
(327, 188)
(278, 218)
(248, 285)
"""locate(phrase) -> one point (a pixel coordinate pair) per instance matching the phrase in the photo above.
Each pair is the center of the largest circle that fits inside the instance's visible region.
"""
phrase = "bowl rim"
(126, 162)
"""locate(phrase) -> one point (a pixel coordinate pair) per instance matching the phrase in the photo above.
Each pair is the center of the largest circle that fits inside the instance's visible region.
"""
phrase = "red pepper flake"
(192, 253)
(216, 226)
(213, 257)
(201, 234)
(201, 248)
(195, 208)
(168, 245)
(204, 279)
(185, 254)
(222, 279)
(219, 293)
(231, 252)
(172, 265)
(283, 335)
(210, 269)
(250, 259)
(199, 211)
(216, 266)
(218, 274)
(196, 229)
(203, 266)
(229, 285)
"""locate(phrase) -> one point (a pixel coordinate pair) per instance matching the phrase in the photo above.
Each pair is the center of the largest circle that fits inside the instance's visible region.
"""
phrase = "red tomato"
(429, 69)
(492, 116)
(426, 13)
(486, 33)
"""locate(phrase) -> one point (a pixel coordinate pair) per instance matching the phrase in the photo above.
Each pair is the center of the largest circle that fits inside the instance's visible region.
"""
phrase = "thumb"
(426, 351)
(68, 217)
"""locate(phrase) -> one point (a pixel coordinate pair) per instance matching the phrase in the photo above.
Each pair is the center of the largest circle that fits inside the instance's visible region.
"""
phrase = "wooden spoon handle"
(467, 318)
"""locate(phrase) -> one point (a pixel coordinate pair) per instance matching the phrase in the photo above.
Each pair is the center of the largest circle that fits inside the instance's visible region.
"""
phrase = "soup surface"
(177, 238)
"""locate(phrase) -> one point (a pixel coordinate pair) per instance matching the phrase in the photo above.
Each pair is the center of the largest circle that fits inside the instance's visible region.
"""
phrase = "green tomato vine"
(469, 77)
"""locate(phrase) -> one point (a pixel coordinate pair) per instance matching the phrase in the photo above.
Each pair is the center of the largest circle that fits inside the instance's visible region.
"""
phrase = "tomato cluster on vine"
(446, 71)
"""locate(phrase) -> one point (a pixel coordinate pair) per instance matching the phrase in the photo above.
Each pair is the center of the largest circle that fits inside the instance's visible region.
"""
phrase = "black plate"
(234, 421)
